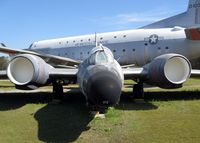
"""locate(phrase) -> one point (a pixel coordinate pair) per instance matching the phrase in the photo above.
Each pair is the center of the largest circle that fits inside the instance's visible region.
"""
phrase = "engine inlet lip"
(10, 76)
(189, 70)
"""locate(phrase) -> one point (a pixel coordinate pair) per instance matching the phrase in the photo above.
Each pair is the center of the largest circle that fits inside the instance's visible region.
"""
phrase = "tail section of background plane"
(190, 18)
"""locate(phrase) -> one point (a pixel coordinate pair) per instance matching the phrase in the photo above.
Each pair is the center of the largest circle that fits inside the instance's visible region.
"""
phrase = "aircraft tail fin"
(190, 18)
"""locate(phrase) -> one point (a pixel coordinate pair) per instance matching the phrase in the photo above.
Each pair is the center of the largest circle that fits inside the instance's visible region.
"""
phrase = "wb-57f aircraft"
(158, 54)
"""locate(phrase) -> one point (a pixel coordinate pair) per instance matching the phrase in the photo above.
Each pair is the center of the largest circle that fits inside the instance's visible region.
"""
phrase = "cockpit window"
(98, 57)
(92, 59)
(101, 57)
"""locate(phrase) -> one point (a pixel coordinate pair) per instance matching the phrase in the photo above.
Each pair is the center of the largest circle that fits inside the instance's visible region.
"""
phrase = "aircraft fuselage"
(137, 47)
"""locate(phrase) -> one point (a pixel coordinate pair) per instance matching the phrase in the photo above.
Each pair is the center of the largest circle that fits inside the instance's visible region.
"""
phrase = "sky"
(25, 21)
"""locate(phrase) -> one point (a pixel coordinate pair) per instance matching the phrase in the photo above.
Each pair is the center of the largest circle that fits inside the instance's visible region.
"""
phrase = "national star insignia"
(153, 39)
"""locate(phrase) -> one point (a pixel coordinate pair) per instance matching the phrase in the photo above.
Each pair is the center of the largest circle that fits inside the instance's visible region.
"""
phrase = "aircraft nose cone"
(104, 88)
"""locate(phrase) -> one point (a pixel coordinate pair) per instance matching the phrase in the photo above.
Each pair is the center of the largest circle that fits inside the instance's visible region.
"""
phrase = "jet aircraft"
(158, 54)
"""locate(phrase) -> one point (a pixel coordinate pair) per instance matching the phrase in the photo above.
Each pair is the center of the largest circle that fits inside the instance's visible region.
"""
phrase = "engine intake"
(25, 70)
(169, 71)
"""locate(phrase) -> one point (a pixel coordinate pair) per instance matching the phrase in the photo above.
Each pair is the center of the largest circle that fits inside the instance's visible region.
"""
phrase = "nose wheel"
(138, 91)
(58, 91)
(96, 108)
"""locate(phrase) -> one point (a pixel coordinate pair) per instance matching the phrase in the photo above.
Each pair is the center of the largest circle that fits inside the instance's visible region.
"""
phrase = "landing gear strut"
(96, 108)
(58, 90)
(138, 91)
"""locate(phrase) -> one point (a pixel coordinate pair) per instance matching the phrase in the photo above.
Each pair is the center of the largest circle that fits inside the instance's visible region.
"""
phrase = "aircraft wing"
(51, 59)
(195, 73)
(141, 73)
(134, 73)
(54, 73)
(63, 73)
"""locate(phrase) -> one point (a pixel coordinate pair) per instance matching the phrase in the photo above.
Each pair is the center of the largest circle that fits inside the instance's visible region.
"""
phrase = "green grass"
(176, 121)
(5, 83)
(169, 117)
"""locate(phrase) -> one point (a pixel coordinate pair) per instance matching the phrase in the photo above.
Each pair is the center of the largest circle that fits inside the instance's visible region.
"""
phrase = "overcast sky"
(26, 21)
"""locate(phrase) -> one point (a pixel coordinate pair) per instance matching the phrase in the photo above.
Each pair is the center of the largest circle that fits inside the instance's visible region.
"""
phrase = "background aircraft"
(100, 62)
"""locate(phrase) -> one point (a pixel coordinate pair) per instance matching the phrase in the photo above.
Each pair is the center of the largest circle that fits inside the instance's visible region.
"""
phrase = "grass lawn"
(166, 116)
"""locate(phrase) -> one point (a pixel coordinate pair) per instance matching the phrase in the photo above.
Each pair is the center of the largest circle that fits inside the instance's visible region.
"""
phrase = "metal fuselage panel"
(137, 47)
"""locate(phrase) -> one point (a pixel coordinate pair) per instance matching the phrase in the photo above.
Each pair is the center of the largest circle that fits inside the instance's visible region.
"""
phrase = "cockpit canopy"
(101, 55)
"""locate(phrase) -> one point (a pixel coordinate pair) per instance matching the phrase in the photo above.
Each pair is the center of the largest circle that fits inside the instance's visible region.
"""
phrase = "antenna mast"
(96, 39)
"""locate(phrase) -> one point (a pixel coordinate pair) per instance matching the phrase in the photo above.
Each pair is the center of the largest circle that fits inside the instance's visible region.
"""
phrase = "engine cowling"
(169, 71)
(28, 71)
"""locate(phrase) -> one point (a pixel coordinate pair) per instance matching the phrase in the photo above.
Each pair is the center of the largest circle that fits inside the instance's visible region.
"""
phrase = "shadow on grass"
(57, 122)
(165, 96)
(16, 100)
(172, 96)
(64, 122)
(7, 86)
(10, 101)
(128, 103)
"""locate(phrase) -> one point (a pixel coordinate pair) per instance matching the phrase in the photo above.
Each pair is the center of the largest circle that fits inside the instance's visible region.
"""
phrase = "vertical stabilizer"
(194, 11)
(190, 18)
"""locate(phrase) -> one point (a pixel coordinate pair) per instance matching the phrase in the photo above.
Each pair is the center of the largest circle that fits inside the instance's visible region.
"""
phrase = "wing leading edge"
(51, 59)
(195, 73)
(134, 73)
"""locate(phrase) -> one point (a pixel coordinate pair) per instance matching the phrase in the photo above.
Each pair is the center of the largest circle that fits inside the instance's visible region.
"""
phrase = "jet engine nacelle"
(169, 71)
(28, 71)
